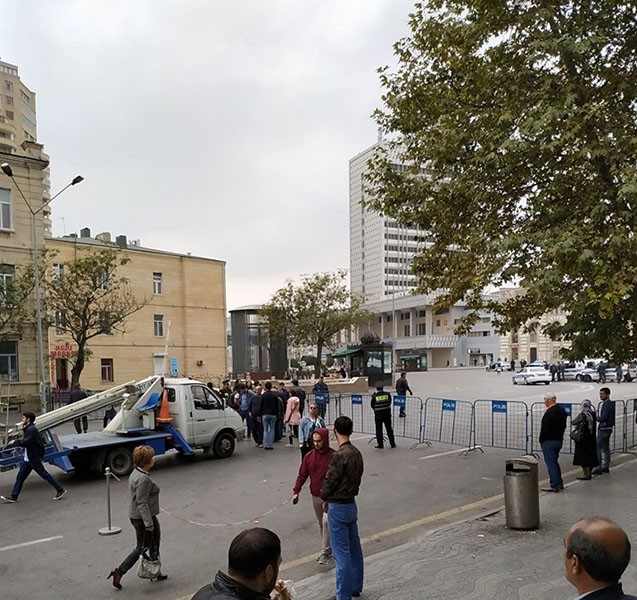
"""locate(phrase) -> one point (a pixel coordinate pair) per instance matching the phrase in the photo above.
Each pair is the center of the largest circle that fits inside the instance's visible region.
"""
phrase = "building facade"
(179, 332)
(381, 255)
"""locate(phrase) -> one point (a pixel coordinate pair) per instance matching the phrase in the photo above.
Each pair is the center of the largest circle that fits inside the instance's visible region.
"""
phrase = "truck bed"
(99, 439)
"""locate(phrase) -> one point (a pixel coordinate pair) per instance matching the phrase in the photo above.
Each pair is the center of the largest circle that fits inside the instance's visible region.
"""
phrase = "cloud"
(223, 129)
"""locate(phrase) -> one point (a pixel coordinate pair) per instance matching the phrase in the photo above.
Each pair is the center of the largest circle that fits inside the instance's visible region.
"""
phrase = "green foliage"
(516, 122)
(294, 363)
(314, 311)
(329, 361)
(90, 299)
(309, 360)
(16, 309)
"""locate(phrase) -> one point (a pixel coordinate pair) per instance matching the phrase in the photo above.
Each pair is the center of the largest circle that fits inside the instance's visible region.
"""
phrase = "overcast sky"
(220, 128)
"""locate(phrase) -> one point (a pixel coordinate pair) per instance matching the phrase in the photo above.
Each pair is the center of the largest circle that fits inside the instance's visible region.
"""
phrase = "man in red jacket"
(314, 466)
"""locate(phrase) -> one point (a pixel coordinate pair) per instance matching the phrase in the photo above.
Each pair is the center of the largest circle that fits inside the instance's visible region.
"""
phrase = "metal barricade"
(327, 402)
(631, 422)
(537, 412)
(501, 424)
(448, 421)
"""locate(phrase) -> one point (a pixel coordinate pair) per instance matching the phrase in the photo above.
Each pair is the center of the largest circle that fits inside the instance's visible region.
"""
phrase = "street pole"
(8, 171)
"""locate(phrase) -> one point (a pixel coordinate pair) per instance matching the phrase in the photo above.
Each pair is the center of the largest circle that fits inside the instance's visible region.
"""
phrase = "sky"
(219, 128)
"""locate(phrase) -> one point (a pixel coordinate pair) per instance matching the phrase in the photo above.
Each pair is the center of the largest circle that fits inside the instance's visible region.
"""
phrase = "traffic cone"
(164, 412)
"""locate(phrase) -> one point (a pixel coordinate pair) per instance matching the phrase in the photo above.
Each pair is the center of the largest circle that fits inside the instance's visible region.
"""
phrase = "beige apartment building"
(179, 332)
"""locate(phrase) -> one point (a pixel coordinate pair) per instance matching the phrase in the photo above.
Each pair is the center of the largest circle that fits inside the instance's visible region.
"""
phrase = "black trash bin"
(521, 494)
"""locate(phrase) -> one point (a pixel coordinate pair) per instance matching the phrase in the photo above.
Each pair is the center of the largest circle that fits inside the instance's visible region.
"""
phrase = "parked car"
(532, 375)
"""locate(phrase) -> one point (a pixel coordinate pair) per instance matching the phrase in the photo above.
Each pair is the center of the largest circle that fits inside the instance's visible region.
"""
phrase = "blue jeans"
(551, 451)
(25, 471)
(269, 423)
(603, 448)
(342, 522)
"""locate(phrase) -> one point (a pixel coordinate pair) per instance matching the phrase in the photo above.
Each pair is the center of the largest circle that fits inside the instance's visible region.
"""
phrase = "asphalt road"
(52, 549)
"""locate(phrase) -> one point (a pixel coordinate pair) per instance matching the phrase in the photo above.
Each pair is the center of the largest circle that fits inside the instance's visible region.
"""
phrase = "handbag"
(577, 435)
(147, 568)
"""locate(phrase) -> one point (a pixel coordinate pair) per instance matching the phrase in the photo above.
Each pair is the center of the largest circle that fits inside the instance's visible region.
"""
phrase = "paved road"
(224, 496)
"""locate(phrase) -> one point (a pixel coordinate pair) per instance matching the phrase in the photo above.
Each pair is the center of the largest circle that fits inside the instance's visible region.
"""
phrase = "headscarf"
(589, 414)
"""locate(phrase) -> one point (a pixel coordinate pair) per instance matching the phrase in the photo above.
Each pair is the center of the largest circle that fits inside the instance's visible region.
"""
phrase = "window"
(158, 325)
(421, 328)
(60, 322)
(10, 115)
(6, 277)
(9, 361)
(58, 270)
(388, 318)
(8, 85)
(5, 209)
(156, 283)
(107, 370)
(407, 330)
(9, 100)
(204, 399)
(422, 313)
(25, 97)
(437, 322)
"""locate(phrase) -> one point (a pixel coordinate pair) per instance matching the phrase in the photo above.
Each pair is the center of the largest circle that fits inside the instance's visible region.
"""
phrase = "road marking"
(49, 539)
(457, 451)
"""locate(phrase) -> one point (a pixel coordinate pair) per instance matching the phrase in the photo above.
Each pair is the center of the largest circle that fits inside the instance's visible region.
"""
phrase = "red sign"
(63, 351)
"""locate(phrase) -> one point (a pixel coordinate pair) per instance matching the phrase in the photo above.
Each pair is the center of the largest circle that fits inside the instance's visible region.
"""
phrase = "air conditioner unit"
(200, 363)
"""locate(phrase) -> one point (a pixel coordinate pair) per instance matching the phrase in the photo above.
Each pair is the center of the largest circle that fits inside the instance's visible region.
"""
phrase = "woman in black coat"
(586, 449)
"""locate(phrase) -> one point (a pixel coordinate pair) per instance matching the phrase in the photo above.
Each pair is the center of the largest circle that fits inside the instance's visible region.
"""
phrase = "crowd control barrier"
(327, 402)
(618, 441)
(537, 412)
(631, 424)
(501, 424)
(448, 421)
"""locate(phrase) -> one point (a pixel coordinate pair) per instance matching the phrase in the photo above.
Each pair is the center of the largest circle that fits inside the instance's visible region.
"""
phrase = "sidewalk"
(480, 559)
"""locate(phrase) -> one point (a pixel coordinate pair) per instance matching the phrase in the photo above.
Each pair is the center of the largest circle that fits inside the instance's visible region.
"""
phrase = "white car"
(532, 375)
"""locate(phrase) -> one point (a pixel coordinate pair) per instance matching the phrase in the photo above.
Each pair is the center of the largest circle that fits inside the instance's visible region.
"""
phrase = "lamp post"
(6, 169)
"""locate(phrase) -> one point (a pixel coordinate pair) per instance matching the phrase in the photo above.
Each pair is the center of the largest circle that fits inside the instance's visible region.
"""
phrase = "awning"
(410, 357)
(346, 352)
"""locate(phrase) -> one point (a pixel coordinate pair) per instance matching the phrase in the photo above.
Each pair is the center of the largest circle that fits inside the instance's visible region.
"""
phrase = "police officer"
(381, 405)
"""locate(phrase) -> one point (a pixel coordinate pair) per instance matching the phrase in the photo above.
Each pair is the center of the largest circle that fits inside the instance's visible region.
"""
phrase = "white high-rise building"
(381, 250)
(381, 255)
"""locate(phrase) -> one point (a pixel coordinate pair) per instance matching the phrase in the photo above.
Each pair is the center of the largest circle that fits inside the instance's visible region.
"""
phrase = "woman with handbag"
(143, 511)
(583, 434)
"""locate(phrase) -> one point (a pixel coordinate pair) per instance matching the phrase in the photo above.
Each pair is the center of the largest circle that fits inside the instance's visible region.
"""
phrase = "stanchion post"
(110, 530)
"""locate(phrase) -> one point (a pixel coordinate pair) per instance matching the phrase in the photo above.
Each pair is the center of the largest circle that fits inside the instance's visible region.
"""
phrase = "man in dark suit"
(596, 554)
(551, 438)
(32, 460)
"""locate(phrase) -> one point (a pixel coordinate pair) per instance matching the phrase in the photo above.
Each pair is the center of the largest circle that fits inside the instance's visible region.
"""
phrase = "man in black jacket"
(254, 558)
(33, 455)
(596, 554)
(551, 439)
(402, 389)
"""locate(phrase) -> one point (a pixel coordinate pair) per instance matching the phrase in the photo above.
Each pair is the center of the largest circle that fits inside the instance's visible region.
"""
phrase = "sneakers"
(9, 499)
(323, 559)
(289, 446)
(59, 494)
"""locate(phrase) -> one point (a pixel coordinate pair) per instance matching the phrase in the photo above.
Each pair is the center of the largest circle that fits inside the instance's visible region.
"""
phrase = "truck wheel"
(97, 463)
(223, 446)
(120, 461)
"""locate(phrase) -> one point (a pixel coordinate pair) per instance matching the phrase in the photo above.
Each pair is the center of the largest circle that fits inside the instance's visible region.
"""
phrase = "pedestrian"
(606, 422)
(513, 365)
(245, 396)
(299, 392)
(142, 512)
(601, 370)
(320, 388)
(551, 439)
(269, 412)
(226, 393)
(619, 373)
(342, 372)
(308, 425)
(292, 420)
(109, 414)
(77, 394)
(283, 394)
(254, 559)
(33, 446)
(255, 416)
(314, 466)
(338, 492)
(402, 389)
(585, 454)
(553, 371)
(381, 405)
(596, 554)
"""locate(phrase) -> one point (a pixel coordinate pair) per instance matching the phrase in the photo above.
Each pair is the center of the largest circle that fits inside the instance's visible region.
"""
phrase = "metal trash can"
(521, 494)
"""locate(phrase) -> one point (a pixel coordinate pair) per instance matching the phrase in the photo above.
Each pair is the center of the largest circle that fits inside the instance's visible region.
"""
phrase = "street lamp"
(8, 171)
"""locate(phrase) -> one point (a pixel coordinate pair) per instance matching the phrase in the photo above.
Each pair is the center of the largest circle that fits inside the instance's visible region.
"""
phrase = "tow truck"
(164, 413)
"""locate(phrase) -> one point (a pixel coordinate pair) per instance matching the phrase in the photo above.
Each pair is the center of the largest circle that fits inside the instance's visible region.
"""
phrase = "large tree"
(314, 311)
(91, 299)
(514, 125)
